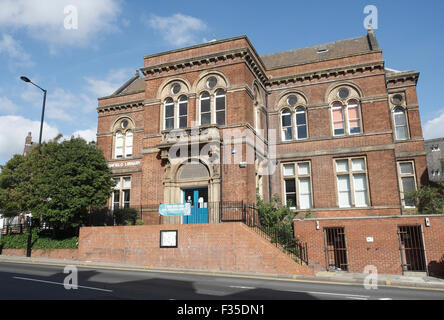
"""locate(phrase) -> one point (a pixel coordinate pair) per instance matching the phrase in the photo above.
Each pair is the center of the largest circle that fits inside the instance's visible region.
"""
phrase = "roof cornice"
(402, 76)
(123, 105)
(318, 74)
(248, 54)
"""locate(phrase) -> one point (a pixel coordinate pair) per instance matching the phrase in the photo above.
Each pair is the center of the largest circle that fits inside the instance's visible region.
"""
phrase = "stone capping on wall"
(371, 217)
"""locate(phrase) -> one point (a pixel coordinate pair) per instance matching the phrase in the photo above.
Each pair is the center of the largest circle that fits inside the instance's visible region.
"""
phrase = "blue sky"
(112, 36)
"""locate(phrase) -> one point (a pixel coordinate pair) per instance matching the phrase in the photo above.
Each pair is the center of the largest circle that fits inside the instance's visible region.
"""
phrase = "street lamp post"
(28, 249)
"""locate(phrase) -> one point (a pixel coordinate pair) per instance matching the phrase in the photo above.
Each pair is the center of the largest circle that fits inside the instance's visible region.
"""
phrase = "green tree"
(60, 182)
(429, 199)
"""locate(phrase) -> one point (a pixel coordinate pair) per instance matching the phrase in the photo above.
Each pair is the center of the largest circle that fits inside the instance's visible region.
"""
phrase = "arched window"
(399, 117)
(169, 114)
(205, 108)
(338, 119)
(220, 107)
(183, 112)
(301, 123)
(129, 144)
(287, 130)
(345, 110)
(354, 120)
(123, 138)
(118, 152)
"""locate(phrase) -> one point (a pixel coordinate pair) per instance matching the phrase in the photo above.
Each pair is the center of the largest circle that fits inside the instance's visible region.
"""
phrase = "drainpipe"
(270, 193)
(221, 160)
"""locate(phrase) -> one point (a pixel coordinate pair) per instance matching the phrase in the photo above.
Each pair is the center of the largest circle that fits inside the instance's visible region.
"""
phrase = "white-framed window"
(400, 121)
(128, 141)
(118, 145)
(220, 101)
(407, 177)
(123, 139)
(122, 193)
(297, 185)
(183, 112)
(169, 114)
(352, 186)
(205, 108)
(353, 117)
(301, 123)
(287, 126)
(346, 118)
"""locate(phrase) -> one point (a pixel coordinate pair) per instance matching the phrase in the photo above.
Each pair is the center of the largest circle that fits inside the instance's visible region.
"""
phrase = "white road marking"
(388, 299)
(351, 296)
(240, 287)
(357, 298)
(61, 284)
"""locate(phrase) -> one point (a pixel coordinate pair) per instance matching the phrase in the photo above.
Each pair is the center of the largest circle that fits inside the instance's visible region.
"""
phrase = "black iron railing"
(281, 237)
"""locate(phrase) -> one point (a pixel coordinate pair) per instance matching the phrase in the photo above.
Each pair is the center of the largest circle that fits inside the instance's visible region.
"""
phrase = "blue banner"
(175, 210)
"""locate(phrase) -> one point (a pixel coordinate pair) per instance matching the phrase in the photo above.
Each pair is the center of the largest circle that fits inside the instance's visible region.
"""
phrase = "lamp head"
(25, 79)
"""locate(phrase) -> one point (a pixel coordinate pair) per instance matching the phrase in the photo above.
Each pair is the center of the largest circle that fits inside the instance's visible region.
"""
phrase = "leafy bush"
(39, 241)
(428, 199)
(277, 221)
(126, 216)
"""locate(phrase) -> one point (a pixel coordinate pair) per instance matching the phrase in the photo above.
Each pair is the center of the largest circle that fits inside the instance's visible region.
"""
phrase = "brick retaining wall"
(68, 254)
(231, 247)
(384, 251)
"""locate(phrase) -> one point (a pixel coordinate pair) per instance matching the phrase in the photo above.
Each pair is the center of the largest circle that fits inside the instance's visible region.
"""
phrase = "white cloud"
(16, 53)
(105, 86)
(13, 132)
(7, 106)
(45, 19)
(178, 29)
(88, 134)
(435, 128)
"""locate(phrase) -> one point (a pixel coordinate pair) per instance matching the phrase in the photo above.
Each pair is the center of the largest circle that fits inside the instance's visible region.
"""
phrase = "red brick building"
(328, 128)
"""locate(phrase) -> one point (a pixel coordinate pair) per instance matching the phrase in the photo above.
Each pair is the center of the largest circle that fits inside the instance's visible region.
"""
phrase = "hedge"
(39, 242)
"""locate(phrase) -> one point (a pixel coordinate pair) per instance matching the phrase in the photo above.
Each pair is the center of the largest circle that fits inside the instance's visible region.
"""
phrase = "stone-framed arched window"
(174, 107)
(345, 109)
(211, 90)
(293, 117)
(123, 138)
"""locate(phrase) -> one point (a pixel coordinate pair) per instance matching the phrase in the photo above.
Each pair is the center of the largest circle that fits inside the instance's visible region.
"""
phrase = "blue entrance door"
(199, 206)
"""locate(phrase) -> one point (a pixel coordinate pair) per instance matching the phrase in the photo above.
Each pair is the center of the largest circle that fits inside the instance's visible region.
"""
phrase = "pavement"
(419, 281)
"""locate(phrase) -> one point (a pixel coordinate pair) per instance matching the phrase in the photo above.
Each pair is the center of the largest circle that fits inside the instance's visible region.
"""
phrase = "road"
(35, 281)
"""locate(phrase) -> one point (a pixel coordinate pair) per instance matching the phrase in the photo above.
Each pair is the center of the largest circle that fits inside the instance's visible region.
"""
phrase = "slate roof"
(321, 52)
(332, 50)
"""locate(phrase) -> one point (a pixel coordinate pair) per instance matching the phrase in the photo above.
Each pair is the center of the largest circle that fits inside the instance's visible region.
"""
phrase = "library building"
(330, 130)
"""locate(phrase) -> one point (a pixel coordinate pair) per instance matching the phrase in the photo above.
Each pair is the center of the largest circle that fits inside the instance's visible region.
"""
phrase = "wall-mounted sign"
(124, 164)
(370, 239)
(168, 239)
(175, 210)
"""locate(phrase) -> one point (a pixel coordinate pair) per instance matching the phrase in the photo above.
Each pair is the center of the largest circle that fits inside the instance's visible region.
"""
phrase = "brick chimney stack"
(28, 143)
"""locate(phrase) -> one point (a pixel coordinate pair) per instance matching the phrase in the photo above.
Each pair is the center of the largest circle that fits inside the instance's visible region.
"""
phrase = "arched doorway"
(195, 174)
